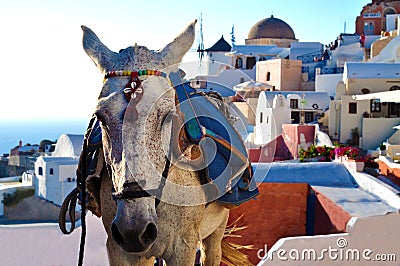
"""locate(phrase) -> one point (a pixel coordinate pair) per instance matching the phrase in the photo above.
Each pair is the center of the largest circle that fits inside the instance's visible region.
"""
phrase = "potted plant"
(382, 149)
(355, 159)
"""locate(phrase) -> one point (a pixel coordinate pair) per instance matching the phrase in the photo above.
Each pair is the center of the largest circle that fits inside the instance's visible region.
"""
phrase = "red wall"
(379, 22)
(275, 150)
(329, 218)
(279, 211)
(386, 170)
(291, 135)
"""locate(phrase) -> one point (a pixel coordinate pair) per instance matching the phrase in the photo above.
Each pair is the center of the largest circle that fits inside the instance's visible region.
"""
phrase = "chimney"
(20, 143)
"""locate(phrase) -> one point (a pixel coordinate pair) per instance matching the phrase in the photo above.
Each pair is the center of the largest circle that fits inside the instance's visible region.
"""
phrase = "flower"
(322, 153)
(348, 152)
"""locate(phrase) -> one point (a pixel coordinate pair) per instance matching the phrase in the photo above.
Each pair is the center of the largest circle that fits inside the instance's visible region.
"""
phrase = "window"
(40, 170)
(369, 28)
(365, 91)
(69, 179)
(375, 105)
(51, 171)
(394, 88)
(239, 63)
(295, 116)
(241, 80)
(309, 117)
(352, 108)
(389, 11)
(268, 76)
(261, 117)
(394, 109)
(250, 62)
(294, 103)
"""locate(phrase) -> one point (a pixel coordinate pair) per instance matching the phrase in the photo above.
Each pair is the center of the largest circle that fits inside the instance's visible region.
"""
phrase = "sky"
(45, 74)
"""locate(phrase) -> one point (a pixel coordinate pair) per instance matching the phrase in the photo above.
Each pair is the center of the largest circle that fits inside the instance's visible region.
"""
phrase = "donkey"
(137, 112)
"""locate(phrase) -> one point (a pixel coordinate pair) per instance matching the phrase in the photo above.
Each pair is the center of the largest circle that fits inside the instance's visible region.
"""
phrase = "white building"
(328, 76)
(56, 175)
(286, 107)
(356, 104)
(68, 145)
(267, 39)
(270, 118)
(215, 57)
(28, 178)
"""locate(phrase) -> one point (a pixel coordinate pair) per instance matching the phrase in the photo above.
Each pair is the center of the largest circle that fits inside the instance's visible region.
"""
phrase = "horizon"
(34, 131)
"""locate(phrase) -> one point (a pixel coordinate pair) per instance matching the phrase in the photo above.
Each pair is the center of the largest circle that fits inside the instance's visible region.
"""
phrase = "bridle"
(133, 88)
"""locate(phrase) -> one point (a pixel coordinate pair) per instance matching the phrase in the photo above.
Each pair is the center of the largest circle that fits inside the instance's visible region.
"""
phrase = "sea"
(33, 131)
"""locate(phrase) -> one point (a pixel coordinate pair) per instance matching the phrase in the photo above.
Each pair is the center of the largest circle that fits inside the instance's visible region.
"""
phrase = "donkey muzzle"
(133, 232)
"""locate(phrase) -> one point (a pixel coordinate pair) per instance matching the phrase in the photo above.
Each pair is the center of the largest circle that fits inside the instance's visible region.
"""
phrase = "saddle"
(228, 167)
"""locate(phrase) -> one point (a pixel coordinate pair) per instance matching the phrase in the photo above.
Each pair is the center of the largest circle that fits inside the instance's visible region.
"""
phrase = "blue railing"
(309, 58)
(331, 70)
(310, 69)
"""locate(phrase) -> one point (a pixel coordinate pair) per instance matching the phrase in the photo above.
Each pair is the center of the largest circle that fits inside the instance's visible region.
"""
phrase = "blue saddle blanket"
(225, 155)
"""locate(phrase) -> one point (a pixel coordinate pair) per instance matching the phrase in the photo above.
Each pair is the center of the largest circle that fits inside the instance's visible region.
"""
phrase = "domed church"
(271, 31)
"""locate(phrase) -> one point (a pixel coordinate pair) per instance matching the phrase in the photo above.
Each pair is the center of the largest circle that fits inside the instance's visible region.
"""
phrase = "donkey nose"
(134, 241)
(149, 234)
(118, 238)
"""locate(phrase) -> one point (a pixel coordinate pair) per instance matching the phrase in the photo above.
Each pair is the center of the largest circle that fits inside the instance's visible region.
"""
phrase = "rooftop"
(371, 70)
(271, 28)
(220, 46)
(331, 179)
(68, 145)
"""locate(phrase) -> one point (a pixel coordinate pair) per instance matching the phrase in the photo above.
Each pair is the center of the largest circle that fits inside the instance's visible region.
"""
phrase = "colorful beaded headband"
(138, 73)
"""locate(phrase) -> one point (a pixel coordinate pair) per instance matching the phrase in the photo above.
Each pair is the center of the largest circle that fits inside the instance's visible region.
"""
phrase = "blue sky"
(46, 74)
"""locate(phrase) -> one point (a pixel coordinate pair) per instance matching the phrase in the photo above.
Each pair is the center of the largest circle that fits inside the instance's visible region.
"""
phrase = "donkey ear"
(174, 51)
(96, 50)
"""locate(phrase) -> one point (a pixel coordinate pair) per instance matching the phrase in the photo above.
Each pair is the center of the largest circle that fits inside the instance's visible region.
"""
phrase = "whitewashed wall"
(327, 83)
(377, 130)
(351, 121)
(368, 237)
(273, 118)
(214, 61)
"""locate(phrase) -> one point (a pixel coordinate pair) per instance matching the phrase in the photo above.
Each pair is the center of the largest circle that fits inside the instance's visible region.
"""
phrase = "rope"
(83, 203)
(68, 205)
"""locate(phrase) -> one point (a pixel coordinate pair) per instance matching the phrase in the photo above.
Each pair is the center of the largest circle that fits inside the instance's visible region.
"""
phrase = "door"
(295, 116)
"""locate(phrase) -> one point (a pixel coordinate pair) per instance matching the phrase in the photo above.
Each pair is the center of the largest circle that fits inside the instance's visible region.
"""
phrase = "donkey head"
(131, 118)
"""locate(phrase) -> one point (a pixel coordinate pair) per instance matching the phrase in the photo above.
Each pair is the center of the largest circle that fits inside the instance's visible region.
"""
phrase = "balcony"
(309, 58)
